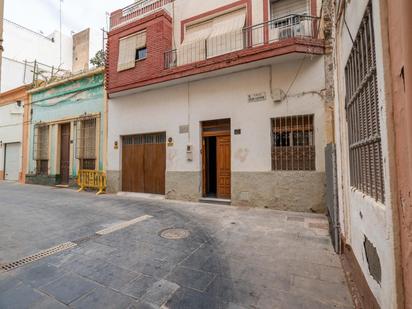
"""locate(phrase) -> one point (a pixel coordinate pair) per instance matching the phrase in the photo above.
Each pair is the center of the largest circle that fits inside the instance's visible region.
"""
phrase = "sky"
(43, 15)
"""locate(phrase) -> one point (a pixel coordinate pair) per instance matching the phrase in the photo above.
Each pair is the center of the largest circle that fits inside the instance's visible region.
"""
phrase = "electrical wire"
(296, 75)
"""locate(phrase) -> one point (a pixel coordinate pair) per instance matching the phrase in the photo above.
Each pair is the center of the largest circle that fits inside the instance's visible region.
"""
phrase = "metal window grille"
(362, 111)
(142, 139)
(86, 143)
(41, 149)
(293, 145)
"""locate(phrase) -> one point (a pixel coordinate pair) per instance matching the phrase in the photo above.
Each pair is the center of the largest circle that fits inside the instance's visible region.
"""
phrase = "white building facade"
(23, 48)
(12, 135)
(230, 108)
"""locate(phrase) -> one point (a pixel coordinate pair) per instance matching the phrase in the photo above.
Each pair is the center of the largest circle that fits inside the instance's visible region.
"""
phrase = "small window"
(131, 48)
(293, 146)
(141, 53)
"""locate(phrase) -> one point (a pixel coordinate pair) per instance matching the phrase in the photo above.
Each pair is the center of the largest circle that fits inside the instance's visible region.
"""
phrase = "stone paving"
(233, 258)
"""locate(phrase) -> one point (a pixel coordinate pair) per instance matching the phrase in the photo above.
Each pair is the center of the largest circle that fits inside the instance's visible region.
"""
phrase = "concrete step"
(142, 195)
(212, 200)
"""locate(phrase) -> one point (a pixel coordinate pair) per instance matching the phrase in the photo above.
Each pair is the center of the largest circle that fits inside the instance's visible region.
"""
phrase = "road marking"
(38, 256)
(123, 225)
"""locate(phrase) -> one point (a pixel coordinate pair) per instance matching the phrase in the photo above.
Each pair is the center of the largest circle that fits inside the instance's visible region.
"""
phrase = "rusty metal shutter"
(362, 108)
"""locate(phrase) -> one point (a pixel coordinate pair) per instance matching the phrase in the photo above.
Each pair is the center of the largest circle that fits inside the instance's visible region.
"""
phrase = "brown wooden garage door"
(144, 163)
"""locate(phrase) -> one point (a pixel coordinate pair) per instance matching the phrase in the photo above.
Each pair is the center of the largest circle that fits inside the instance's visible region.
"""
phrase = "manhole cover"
(174, 234)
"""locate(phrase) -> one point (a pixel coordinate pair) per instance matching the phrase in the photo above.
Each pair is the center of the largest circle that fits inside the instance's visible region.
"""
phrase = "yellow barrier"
(92, 179)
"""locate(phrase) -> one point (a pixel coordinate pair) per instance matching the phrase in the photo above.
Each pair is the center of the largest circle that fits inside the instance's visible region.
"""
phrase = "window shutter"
(227, 33)
(127, 53)
(41, 143)
(193, 47)
(141, 40)
(282, 8)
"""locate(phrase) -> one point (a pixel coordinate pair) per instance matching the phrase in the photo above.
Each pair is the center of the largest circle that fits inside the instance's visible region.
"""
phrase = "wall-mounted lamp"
(18, 102)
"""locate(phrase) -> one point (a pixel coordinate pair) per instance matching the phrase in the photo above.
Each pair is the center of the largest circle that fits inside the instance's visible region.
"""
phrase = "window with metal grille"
(362, 111)
(142, 139)
(86, 143)
(41, 149)
(293, 145)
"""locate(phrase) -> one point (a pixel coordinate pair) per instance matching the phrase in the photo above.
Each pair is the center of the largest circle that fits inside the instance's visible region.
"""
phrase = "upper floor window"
(131, 49)
(289, 18)
(283, 8)
(213, 37)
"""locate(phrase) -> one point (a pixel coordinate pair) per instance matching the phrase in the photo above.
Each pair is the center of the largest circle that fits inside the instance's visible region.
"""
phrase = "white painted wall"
(11, 128)
(360, 214)
(22, 44)
(220, 97)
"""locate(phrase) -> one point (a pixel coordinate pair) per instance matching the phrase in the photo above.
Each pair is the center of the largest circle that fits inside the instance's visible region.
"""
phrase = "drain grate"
(37, 256)
(174, 234)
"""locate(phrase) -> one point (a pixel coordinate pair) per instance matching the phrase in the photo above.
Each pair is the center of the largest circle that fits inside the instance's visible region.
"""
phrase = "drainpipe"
(1, 35)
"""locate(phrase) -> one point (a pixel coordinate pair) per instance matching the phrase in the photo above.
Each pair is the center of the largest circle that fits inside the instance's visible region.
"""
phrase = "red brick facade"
(159, 40)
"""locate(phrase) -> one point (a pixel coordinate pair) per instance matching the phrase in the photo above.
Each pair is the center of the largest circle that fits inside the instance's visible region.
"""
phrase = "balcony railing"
(136, 10)
(291, 26)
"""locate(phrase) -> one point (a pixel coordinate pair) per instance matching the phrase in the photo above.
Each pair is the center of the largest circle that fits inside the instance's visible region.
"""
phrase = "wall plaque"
(256, 97)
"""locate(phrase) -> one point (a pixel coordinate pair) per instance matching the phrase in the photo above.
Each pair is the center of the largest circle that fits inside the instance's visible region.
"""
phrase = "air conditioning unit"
(289, 32)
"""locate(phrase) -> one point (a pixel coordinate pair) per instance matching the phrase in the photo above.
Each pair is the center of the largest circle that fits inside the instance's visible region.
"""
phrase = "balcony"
(137, 11)
(289, 28)
(220, 52)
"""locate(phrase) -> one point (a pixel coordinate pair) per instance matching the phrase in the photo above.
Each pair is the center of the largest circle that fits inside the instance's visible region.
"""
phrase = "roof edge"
(68, 79)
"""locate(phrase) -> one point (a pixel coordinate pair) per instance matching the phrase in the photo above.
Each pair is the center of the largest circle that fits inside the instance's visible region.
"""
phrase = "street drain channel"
(174, 234)
(37, 256)
(71, 244)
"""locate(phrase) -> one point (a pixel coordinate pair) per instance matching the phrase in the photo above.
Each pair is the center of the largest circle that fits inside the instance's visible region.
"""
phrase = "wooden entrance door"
(64, 153)
(223, 166)
(144, 163)
(216, 158)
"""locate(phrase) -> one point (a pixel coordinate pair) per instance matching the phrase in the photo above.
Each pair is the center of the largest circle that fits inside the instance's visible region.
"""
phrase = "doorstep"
(62, 186)
(141, 195)
(212, 200)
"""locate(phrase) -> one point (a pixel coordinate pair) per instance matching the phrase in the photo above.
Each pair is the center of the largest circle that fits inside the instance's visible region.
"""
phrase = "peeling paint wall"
(64, 103)
(400, 40)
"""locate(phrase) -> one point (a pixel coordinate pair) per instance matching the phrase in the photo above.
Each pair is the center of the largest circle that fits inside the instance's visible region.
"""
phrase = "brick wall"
(158, 27)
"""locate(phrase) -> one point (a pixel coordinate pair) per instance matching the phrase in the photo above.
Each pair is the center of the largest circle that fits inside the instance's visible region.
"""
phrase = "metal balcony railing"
(136, 10)
(291, 26)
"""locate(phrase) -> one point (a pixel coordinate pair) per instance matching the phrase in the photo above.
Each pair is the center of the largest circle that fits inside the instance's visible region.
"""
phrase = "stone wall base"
(302, 191)
(48, 180)
(113, 181)
(291, 190)
(185, 186)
